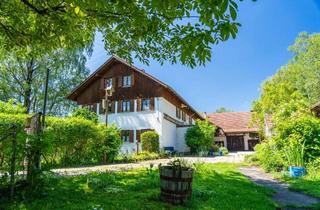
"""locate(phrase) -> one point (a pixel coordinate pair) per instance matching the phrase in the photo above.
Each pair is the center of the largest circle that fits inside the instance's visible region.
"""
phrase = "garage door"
(235, 143)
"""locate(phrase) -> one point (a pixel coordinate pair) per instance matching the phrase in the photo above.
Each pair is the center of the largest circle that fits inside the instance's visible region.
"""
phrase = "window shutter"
(138, 134)
(132, 79)
(151, 104)
(119, 106)
(139, 104)
(100, 109)
(131, 136)
(120, 81)
(112, 106)
(113, 83)
(131, 105)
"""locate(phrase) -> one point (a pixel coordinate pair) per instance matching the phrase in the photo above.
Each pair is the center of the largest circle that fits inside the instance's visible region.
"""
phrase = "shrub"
(85, 113)
(224, 150)
(200, 136)
(307, 128)
(66, 141)
(294, 151)
(269, 156)
(251, 159)
(11, 108)
(141, 156)
(150, 141)
(215, 148)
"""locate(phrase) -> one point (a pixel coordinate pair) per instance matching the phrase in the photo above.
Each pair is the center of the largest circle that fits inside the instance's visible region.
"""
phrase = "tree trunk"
(28, 86)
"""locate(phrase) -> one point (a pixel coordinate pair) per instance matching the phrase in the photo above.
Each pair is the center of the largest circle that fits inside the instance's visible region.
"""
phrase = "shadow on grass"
(213, 188)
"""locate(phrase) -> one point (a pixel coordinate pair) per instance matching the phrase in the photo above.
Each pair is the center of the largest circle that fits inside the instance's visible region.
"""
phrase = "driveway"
(230, 158)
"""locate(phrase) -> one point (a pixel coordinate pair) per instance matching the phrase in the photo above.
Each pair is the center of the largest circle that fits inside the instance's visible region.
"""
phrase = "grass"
(216, 186)
(309, 184)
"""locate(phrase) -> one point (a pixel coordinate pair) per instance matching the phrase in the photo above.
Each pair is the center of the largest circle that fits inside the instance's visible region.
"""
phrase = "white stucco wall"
(170, 135)
(181, 143)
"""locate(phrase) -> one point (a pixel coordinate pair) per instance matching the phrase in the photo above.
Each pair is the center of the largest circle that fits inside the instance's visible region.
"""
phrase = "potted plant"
(294, 153)
(176, 181)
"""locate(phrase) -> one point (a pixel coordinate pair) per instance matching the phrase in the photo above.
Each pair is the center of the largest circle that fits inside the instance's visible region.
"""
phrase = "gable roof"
(233, 122)
(114, 59)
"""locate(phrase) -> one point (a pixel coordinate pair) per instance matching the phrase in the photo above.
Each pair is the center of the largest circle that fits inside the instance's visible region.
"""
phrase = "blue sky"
(238, 67)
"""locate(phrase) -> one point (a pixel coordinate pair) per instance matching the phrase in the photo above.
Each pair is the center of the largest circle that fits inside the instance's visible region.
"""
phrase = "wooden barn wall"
(142, 87)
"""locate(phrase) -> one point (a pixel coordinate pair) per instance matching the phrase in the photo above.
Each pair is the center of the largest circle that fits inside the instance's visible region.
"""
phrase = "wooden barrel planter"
(176, 184)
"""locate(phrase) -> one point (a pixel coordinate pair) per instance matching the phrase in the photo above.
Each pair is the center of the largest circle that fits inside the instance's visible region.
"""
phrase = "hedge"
(66, 141)
(150, 141)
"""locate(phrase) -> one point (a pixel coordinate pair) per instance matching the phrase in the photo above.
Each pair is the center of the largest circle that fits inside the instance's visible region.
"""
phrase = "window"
(126, 106)
(178, 113)
(145, 104)
(126, 81)
(219, 143)
(183, 116)
(125, 136)
(108, 83)
(254, 135)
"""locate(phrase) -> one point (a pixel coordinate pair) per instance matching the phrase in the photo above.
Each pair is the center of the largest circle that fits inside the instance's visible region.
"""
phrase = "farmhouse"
(136, 102)
(235, 130)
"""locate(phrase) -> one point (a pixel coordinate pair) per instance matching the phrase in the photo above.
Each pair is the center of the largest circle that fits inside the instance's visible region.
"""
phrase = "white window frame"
(126, 106)
(108, 84)
(126, 81)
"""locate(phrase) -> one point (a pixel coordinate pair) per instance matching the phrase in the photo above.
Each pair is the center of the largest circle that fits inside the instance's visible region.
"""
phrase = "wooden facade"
(143, 86)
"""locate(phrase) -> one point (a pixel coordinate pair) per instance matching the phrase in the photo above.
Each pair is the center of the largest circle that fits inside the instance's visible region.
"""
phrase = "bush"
(150, 141)
(224, 150)
(141, 156)
(269, 156)
(294, 151)
(11, 108)
(85, 113)
(307, 128)
(200, 136)
(251, 159)
(215, 148)
(66, 141)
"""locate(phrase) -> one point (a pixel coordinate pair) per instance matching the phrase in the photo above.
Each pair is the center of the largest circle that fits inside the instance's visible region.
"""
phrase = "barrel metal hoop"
(177, 192)
(177, 179)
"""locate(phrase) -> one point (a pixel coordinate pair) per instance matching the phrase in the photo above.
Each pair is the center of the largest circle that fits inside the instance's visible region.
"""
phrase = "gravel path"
(283, 195)
(230, 158)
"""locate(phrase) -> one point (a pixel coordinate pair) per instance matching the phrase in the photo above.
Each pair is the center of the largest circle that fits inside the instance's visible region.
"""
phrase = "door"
(252, 143)
(235, 143)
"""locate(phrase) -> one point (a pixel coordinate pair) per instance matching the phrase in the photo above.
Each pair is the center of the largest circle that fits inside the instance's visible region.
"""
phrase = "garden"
(292, 152)
(215, 186)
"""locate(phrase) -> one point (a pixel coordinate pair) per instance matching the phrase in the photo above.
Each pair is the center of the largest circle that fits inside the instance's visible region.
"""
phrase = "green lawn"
(216, 186)
(308, 185)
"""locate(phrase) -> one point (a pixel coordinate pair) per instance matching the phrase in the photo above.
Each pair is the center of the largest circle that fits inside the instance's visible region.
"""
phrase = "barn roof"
(234, 122)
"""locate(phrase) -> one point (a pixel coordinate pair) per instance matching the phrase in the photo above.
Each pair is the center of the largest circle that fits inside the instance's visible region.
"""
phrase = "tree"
(223, 109)
(295, 87)
(163, 30)
(22, 77)
(85, 113)
(200, 136)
